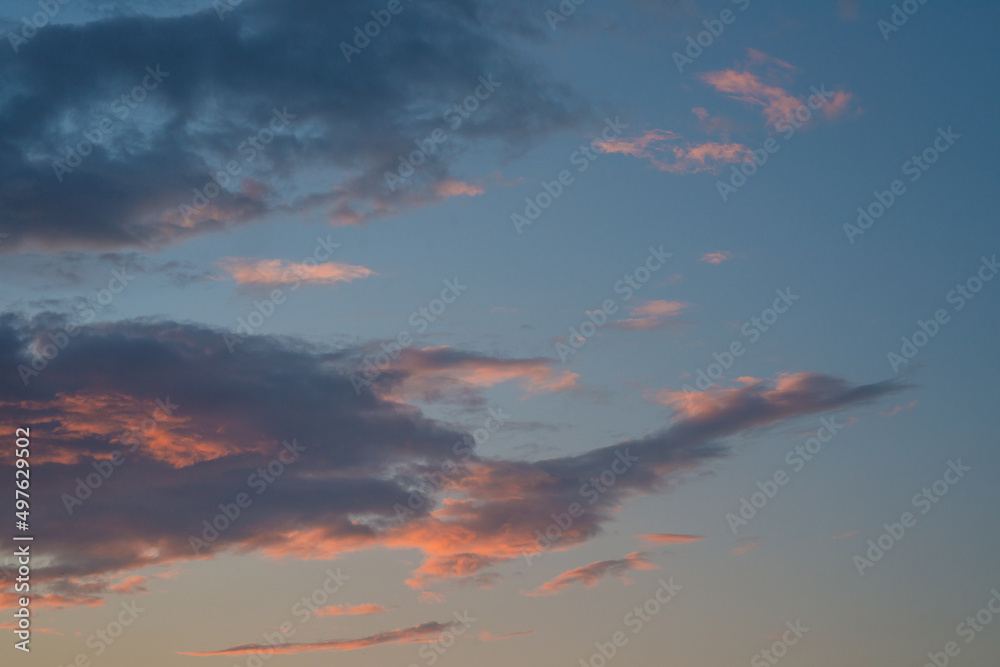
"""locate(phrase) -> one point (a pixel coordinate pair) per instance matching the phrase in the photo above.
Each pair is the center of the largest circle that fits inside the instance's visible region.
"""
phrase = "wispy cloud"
(590, 575)
(353, 610)
(130, 586)
(267, 272)
(446, 374)
(844, 536)
(670, 538)
(746, 545)
(451, 188)
(897, 409)
(668, 151)
(762, 89)
(716, 257)
(424, 632)
(651, 315)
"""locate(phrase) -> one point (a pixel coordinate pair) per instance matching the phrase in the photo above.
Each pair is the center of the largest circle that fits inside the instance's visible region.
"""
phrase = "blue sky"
(316, 187)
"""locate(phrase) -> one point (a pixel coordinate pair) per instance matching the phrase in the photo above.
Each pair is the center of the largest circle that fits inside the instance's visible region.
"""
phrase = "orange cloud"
(651, 315)
(746, 545)
(850, 533)
(34, 628)
(265, 272)
(88, 417)
(669, 152)
(788, 393)
(591, 575)
(356, 610)
(670, 538)
(130, 586)
(50, 601)
(370, 462)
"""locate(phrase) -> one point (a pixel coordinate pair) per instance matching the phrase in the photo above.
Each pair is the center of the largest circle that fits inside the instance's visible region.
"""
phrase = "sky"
(428, 333)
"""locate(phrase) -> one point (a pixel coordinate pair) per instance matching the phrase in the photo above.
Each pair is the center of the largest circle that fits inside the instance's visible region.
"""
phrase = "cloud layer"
(257, 114)
(375, 472)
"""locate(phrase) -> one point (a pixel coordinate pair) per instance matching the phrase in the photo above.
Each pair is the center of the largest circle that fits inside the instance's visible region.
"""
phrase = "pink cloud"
(426, 632)
(442, 373)
(265, 272)
(355, 610)
(747, 87)
(713, 124)
(760, 58)
(787, 394)
(591, 575)
(746, 545)
(130, 586)
(668, 151)
(716, 257)
(896, 410)
(836, 107)
(450, 188)
(778, 104)
(651, 315)
(670, 538)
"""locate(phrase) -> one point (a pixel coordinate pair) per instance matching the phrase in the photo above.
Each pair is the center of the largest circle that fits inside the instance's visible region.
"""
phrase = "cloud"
(763, 90)
(446, 374)
(34, 628)
(353, 610)
(897, 409)
(668, 151)
(836, 107)
(850, 533)
(713, 124)
(425, 632)
(327, 131)
(789, 393)
(130, 586)
(651, 315)
(746, 87)
(670, 538)
(746, 545)
(267, 272)
(716, 257)
(591, 575)
(450, 188)
(367, 456)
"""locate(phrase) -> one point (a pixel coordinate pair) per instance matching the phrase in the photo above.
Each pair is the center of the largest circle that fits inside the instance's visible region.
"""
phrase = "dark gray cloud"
(371, 472)
(219, 84)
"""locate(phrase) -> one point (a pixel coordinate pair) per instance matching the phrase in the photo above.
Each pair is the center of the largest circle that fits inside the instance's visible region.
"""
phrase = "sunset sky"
(454, 332)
